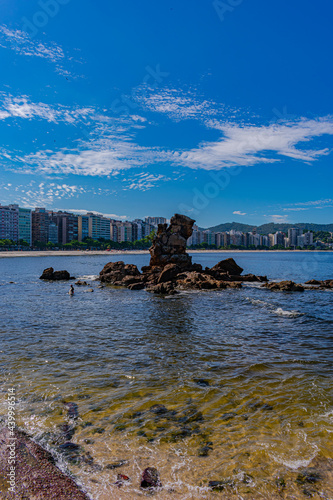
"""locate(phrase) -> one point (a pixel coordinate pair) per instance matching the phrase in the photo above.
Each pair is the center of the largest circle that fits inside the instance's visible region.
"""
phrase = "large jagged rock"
(36, 475)
(50, 274)
(116, 272)
(228, 266)
(169, 244)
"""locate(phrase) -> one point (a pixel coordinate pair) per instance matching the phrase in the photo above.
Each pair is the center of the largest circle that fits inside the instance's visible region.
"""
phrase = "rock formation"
(50, 274)
(36, 475)
(284, 286)
(171, 268)
(169, 244)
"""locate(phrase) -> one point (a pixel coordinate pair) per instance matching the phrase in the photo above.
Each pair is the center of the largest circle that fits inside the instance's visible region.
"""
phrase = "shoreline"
(77, 253)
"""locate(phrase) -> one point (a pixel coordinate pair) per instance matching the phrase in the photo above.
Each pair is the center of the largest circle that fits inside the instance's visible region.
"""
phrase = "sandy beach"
(75, 253)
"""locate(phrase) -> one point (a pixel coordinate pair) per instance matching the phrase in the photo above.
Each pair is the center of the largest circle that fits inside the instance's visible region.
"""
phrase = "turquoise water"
(252, 368)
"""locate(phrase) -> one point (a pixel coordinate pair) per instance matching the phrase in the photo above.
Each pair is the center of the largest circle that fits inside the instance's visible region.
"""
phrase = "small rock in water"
(116, 464)
(202, 382)
(67, 431)
(121, 479)
(158, 409)
(69, 446)
(99, 430)
(267, 407)
(204, 451)
(219, 485)
(228, 416)
(72, 410)
(90, 290)
(308, 476)
(150, 478)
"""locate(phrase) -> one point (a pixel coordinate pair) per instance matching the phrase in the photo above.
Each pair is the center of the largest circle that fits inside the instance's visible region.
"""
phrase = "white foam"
(287, 314)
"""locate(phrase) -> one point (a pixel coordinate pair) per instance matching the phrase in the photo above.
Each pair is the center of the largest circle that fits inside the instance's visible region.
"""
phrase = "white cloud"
(22, 107)
(238, 212)
(278, 218)
(177, 105)
(84, 211)
(247, 145)
(45, 194)
(145, 181)
(307, 205)
(22, 44)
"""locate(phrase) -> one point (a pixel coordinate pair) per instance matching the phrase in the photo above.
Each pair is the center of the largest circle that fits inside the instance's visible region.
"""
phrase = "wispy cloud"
(22, 44)
(307, 205)
(277, 218)
(84, 211)
(46, 194)
(177, 105)
(238, 212)
(22, 107)
(247, 145)
(145, 181)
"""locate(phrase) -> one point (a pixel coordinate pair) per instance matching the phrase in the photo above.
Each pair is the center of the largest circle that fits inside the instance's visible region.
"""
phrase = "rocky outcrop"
(119, 273)
(36, 475)
(320, 284)
(50, 274)
(169, 244)
(284, 286)
(171, 268)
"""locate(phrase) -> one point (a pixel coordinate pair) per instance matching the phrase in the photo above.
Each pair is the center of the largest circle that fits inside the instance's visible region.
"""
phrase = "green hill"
(270, 227)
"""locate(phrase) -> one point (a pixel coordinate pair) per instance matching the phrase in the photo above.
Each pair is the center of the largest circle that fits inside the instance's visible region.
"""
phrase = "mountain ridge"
(270, 227)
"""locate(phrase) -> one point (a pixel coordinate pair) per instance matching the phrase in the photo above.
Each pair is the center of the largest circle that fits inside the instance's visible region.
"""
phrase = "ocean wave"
(287, 314)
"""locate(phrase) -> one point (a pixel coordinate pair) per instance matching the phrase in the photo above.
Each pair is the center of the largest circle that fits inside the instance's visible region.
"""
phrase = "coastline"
(76, 253)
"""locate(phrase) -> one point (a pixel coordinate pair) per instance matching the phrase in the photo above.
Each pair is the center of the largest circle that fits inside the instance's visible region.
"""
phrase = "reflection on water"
(244, 377)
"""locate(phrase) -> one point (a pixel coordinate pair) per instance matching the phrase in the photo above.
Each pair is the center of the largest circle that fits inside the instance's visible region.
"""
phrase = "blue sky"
(221, 110)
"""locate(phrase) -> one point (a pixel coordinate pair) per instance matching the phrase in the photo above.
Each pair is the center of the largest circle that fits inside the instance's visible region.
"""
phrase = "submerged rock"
(36, 475)
(150, 478)
(72, 410)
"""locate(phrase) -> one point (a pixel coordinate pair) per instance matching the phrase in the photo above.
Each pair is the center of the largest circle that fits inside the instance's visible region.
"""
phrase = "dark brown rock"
(284, 286)
(150, 478)
(36, 475)
(169, 272)
(136, 286)
(50, 274)
(169, 244)
(228, 266)
(115, 272)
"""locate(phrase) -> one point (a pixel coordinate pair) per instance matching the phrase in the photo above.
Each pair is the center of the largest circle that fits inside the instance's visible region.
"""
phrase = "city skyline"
(233, 131)
(48, 227)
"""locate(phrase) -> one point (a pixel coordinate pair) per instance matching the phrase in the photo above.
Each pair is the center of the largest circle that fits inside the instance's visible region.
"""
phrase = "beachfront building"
(53, 233)
(99, 226)
(305, 239)
(293, 234)
(9, 222)
(67, 224)
(40, 225)
(82, 227)
(25, 226)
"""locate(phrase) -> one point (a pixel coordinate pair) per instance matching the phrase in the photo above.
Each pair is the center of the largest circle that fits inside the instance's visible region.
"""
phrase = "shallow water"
(248, 371)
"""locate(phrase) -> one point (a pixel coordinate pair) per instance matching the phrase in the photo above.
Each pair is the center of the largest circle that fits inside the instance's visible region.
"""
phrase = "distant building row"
(45, 226)
(295, 238)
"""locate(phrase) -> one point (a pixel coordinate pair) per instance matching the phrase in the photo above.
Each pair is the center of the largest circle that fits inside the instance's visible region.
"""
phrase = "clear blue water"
(115, 352)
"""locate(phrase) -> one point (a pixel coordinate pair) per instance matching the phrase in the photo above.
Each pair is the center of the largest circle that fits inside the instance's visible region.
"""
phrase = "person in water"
(71, 290)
